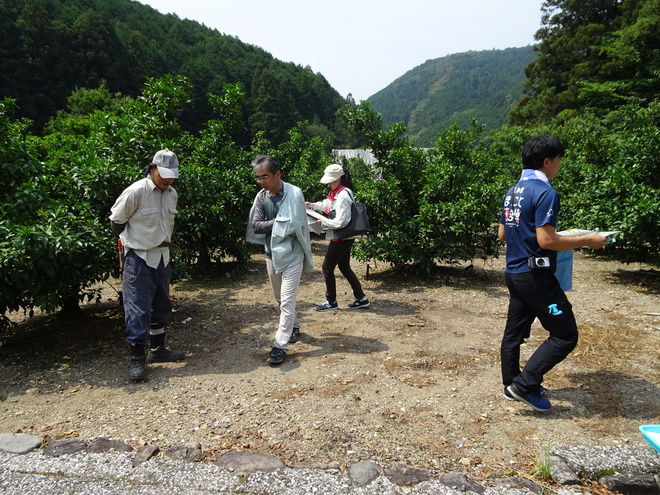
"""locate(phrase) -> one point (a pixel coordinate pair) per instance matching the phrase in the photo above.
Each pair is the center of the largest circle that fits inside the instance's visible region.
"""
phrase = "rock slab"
(18, 443)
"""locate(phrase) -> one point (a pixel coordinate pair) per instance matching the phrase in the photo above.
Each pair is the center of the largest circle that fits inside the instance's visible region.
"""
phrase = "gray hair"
(265, 161)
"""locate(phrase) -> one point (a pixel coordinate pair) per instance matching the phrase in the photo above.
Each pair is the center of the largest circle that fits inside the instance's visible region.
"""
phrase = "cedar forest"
(91, 89)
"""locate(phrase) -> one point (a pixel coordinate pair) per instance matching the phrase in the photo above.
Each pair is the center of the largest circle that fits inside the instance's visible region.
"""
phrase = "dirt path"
(415, 377)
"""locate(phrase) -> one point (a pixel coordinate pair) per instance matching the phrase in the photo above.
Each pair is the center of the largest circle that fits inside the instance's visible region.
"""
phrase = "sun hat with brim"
(167, 163)
(332, 173)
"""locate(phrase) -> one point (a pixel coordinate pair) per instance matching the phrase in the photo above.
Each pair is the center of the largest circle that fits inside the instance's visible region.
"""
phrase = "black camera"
(538, 263)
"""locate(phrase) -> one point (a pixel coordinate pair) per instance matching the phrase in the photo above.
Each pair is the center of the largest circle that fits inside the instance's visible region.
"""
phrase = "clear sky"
(361, 46)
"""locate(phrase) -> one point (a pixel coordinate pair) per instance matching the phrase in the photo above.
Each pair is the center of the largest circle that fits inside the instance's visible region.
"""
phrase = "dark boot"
(158, 353)
(136, 371)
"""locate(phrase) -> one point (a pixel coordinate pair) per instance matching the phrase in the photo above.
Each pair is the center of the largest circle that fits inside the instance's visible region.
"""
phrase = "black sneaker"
(508, 396)
(164, 355)
(359, 303)
(533, 399)
(295, 335)
(327, 306)
(276, 355)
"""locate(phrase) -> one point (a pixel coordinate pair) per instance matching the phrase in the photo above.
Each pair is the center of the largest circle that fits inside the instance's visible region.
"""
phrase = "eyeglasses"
(260, 178)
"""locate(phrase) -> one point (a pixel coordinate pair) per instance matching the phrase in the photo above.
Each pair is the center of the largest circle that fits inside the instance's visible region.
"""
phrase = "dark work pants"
(339, 254)
(533, 295)
(146, 295)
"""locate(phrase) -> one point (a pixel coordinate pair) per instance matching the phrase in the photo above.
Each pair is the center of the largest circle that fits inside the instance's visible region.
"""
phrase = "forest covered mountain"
(49, 48)
(454, 89)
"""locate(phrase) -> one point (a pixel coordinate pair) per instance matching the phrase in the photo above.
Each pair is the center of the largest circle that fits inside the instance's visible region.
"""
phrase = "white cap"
(332, 173)
(167, 163)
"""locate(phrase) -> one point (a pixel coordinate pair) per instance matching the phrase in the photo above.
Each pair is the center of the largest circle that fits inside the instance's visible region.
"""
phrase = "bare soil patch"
(413, 378)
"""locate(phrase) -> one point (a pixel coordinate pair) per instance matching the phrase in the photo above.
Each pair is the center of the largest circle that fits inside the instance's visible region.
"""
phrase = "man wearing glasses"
(278, 220)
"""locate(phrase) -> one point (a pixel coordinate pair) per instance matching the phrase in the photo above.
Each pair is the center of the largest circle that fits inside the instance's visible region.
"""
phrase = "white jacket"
(291, 221)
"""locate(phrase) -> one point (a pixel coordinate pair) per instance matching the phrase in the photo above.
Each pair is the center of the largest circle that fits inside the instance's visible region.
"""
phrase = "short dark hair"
(537, 149)
(266, 161)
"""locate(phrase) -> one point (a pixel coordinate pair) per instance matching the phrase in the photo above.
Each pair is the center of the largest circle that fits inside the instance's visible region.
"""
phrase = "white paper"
(315, 214)
(581, 232)
(313, 225)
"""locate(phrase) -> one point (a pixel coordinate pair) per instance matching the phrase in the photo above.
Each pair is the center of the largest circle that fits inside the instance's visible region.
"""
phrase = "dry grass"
(418, 380)
(520, 435)
(610, 344)
(333, 390)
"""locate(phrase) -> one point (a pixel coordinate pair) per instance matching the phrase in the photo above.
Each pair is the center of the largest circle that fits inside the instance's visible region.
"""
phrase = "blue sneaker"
(533, 399)
(327, 306)
(359, 303)
(508, 396)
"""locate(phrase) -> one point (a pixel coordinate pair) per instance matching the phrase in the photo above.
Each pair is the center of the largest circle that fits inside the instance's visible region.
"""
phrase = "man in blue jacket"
(278, 220)
(528, 226)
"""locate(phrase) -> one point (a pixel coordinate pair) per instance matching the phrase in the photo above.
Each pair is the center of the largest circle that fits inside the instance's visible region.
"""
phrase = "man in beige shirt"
(143, 218)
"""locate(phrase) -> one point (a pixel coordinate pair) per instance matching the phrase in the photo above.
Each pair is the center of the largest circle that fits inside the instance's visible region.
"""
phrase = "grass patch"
(542, 464)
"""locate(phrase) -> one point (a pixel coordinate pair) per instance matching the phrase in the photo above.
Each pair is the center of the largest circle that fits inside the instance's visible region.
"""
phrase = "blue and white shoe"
(327, 306)
(533, 399)
(508, 396)
(359, 303)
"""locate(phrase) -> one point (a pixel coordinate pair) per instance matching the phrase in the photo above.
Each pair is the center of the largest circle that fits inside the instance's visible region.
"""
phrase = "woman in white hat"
(337, 208)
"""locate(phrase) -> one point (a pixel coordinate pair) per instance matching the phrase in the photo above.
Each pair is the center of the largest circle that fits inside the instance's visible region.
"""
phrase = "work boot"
(136, 371)
(158, 353)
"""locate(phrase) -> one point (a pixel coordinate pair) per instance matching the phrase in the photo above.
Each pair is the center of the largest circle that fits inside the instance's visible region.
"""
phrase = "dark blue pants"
(533, 295)
(339, 254)
(146, 294)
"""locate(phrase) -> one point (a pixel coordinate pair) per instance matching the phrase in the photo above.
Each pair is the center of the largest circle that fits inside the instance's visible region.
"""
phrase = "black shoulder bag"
(358, 225)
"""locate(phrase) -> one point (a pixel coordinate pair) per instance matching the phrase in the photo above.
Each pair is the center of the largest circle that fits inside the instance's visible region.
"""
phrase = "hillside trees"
(272, 102)
(426, 206)
(49, 48)
(596, 54)
(30, 50)
(55, 241)
(97, 55)
(616, 164)
(215, 188)
(595, 84)
(453, 90)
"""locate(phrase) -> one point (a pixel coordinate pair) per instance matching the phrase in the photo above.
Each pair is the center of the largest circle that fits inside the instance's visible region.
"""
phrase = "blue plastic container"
(564, 270)
(651, 435)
